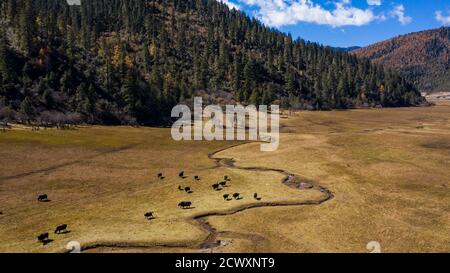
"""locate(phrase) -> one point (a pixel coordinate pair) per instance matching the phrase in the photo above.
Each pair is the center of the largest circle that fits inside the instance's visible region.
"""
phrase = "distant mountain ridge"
(422, 57)
(346, 49)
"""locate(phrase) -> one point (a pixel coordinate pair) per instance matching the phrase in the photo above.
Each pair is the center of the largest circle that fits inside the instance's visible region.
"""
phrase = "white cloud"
(399, 13)
(289, 12)
(374, 2)
(444, 20)
(231, 5)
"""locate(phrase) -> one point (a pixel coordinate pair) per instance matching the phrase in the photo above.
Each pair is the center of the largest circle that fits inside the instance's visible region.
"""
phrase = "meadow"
(375, 175)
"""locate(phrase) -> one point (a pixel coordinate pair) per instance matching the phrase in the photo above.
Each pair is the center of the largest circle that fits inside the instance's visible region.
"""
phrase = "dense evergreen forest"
(131, 61)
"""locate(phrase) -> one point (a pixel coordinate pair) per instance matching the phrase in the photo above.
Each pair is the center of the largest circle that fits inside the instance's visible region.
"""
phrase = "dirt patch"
(437, 144)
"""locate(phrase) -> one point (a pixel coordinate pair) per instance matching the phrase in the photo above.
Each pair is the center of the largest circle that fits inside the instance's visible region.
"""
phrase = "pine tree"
(84, 99)
(156, 81)
(237, 73)
(249, 80)
(129, 90)
(146, 57)
(4, 59)
(26, 25)
(48, 99)
(269, 94)
(290, 85)
(11, 7)
(254, 97)
(27, 109)
(341, 93)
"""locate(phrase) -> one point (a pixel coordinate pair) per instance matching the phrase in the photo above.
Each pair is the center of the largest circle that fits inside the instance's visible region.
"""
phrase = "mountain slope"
(422, 57)
(131, 61)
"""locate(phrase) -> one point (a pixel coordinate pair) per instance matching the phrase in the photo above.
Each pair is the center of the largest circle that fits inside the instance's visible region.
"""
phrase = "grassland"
(388, 170)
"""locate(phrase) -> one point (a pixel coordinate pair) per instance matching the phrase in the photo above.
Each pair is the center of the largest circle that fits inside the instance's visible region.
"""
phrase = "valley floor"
(376, 175)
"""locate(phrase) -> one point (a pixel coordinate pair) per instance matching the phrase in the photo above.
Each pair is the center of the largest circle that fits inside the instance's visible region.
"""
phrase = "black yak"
(197, 177)
(61, 229)
(223, 183)
(149, 216)
(237, 196)
(216, 187)
(226, 197)
(188, 190)
(43, 198)
(257, 197)
(43, 238)
(185, 204)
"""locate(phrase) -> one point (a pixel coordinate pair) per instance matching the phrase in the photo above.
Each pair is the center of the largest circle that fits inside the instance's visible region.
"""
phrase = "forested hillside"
(130, 61)
(422, 57)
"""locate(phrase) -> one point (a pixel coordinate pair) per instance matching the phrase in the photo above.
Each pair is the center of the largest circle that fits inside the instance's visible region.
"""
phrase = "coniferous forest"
(131, 61)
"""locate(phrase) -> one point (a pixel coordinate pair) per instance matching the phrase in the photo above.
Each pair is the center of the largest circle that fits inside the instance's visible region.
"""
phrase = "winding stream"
(201, 221)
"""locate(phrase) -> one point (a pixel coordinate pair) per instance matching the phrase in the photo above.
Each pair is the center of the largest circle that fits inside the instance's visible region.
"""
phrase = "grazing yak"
(226, 178)
(181, 174)
(226, 197)
(180, 188)
(43, 238)
(185, 204)
(160, 176)
(237, 196)
(149, 216)
(43, 198)
(223, 183)
(61, 229)
(188, 190)
(257, 197)
(216, 187)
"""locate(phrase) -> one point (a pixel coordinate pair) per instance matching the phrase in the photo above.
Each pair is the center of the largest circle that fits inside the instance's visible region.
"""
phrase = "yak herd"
(216, 187)
(44, 238)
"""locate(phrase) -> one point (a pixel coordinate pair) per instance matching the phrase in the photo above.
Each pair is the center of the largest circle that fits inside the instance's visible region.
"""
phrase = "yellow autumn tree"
(115, 59)
(129, 61)
(39, 21)
(152, 50)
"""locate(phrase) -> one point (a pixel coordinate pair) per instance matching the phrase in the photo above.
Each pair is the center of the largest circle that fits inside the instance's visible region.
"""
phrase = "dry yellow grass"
(102, 180)
(388, 169)
(390, 173)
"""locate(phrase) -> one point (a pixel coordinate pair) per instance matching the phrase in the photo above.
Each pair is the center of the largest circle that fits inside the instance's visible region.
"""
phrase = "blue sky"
(347, 22)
